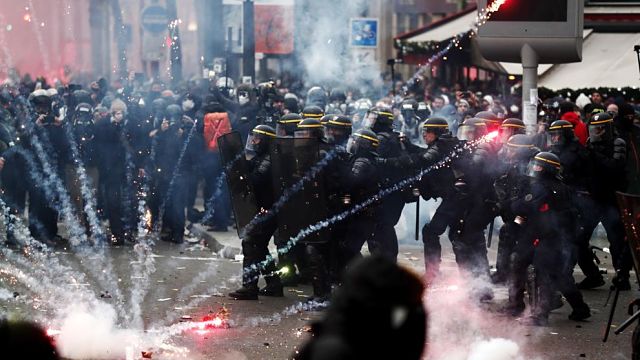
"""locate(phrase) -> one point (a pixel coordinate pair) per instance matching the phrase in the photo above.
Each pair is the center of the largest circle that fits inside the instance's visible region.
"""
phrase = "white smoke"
(91, 333)
(462, 329)
(405, 228)
(323, 45)
(495, 349)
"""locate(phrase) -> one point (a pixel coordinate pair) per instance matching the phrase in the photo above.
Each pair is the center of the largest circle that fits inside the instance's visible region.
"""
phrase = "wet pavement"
(192, 281)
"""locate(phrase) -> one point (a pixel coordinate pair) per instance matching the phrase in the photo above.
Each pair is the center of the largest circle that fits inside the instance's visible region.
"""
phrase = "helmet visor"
(555, 138)
(598, 133)
(467, 133)
(535, 169)
(370, 120)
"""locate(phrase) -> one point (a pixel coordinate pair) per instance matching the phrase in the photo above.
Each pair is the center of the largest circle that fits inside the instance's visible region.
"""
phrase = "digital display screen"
(531, 10)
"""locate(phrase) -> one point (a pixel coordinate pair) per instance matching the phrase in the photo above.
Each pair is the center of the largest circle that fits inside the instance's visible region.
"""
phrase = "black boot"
(245, 293)
(621, 282)
(273, 288)
(580, 313)
(590, 282)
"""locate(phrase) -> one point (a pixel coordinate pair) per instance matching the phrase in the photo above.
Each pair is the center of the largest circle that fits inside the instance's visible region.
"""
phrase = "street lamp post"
(637, 50)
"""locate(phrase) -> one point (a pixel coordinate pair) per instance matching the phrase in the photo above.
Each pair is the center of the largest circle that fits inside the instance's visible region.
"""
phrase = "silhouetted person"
(376, 314)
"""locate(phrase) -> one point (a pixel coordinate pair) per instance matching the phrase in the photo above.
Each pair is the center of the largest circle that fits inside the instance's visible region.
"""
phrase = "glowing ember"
(492, 135)
(147, 219)
(218, 320)
(53, 332)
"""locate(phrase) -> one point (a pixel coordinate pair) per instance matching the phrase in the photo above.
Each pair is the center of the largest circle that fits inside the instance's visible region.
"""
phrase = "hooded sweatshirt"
(579, 128)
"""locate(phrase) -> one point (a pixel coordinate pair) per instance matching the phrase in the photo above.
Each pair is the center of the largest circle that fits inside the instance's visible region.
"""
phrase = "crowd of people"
(329, 154)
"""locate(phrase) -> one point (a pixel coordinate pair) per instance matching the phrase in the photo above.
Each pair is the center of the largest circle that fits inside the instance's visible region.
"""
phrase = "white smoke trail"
(54, 190)
(144, 266)
(276, 318)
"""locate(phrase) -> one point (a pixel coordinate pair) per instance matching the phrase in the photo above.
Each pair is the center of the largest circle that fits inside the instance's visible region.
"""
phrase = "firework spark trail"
(41, 44)
(210, 210)
(8, 59)
(483, 16)
(309, 176)
(144, 266)
(78, 236)
(174, 176)
(171, 316)
(276, 318)
(90, 206)
(40, 251)
(88, 196)
(50, 293)
(54, 189)
(168, 332)
(445, 162)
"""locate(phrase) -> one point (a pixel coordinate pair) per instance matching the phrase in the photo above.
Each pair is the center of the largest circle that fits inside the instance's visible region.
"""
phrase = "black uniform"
(255, 243)
(111, 146)
(255, 240)
(388, 215)
(547, 223)
(608, 159)
(438, 184)
(480, 171)
(515, 156)
(169, 170)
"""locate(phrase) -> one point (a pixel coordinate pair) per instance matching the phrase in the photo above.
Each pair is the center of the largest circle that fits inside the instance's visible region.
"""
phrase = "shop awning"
(608, 60)
(445, 29)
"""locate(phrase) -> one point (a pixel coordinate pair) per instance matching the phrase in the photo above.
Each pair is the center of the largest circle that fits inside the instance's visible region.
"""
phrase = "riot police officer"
(380, 121)
(607, 155)
(337, 132)
(287, 124)
(362, 183)
(255, 242)
(510, 127)
(546, 217)
(312, 112)
(576, 171)
(478, 172)
(515, 154)
(313, 250)
(438, 183)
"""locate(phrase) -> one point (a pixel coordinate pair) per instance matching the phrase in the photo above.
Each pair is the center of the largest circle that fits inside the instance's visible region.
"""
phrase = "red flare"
(492, 135)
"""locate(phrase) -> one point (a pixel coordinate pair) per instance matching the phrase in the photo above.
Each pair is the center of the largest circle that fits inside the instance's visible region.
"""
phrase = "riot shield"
(291, 160)
(630, 213)
(243, 197)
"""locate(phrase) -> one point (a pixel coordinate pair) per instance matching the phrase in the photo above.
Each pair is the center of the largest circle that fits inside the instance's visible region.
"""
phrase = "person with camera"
(24, 169)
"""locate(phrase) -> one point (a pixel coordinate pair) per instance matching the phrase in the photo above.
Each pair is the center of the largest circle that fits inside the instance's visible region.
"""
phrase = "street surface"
(192, 281)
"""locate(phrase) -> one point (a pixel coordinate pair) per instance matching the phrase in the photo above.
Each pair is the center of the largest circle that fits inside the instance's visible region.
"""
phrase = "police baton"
(416, 193)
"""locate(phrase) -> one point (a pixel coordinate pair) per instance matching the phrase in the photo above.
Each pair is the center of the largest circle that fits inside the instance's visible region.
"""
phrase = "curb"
(225, 251)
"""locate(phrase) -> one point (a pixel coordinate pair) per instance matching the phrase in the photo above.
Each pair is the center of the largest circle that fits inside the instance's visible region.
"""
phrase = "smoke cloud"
(462, 329)
(323, 45)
